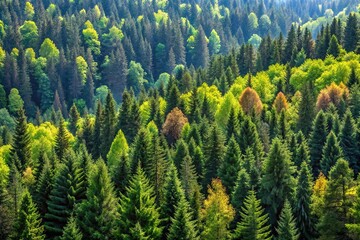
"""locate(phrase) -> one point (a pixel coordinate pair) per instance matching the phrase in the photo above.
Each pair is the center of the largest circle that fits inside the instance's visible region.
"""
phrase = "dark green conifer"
(286, 227)
(331, 153)
(74, 117)
(61, 141)
(108, 125)
(71, 231)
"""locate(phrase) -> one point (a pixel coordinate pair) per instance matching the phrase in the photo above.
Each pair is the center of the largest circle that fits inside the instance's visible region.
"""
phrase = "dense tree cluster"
(259, 141)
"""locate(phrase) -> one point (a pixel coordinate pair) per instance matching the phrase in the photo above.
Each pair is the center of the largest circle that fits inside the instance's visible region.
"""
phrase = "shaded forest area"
(179, 120)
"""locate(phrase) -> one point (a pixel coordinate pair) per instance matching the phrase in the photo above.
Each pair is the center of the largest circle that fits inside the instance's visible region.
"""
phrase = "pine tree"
(96, 216)
(230, 166)
(304, 219)
(138, 209)
(64, 195)
(74, 118)
(306, 108)
(182, 225)
(173, 194)
(286, 227)
(240, 192)
(337, 202)
(217, 213)
(108, 125)
(21, 142)
(71, 231)
(254, 222)
(348, 142)
(334, 47)
(317, 141)
(28, 224)
(214, 151)
(351, 33)
(331, 153)
(61, 141)
(277, 182)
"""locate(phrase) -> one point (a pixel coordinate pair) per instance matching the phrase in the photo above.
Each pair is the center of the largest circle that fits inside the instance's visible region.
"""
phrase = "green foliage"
(136, 76)
(119, 148)
(71, 231)
(15, 101)
(62, 143)
(49, 50)
(286, 229)
(331, 153)
(91, 38)
(138, 211)
(29, 34)
(254, 222)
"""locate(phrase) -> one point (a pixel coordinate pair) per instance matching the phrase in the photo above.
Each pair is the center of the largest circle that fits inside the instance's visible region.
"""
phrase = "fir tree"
(230, 166)
(334, 47)
(317, 141)
(232, 125)
(277, 182)
(141, 151)
(351, 33)
(28, 224)
(331, 153)
(71, 231)
(214, 151)
(302, 154)
(286, 227)
(21, 142)
(43, 187)
(240, 192)
(254, 222)
(96, 138)
(74, 118)
(61, 141)
(182, 225)
(304, 219)
(64, 195)
(306, 108)
(108, 125)
(96, 216)
(182, 150)
(249, 164)
(188, 177)
(201, 51)
(138, 210)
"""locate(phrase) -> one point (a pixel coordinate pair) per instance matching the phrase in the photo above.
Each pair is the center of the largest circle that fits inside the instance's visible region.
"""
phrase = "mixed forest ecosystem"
(179, 119)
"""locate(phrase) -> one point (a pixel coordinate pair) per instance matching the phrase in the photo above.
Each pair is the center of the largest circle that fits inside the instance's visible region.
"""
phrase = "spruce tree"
(182, 226)
(331, 153)
(348, 142)
(286, 227)
(43, 187)
(188, 177)
(21, 142)
(230, 166)
(277, 182)
(141, 151)
(317, 141)
(240, 192)
(71, 231)
(182, 150)
(302, 154)
(74, 116)
(138, 210)
(306, 108)
(254, 224)
(337, 202)
(214, 151)
(108, 125)
(64, 195)
(28, 224)
(96, 138)
(232, 126)
(124, 121)
(304, 219)
(61, 141)
(96, 216)
(201, 51)
(334, 47)
(351, 33)
(249, 164)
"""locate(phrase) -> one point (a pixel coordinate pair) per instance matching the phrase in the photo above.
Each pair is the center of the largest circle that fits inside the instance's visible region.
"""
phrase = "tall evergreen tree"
(254, 221)
(200, 56)
(61, 141)
(108, 125)
(74, 116)
(317, 141)
(141, 151)
(138, 210)
(304, 219)
(306, 108)
(21, 143)
(240, 192)
(71, 231)
(43, 187)
(96, 216)
(331, 153)
(277, 182)
(96, 138)
(230, 166)
(28, 224)
(286, 227)
(351, 33)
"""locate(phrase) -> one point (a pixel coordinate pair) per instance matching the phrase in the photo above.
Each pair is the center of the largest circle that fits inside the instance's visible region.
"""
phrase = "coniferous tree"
(200, 56)
(28, 224)
(71, 231)
(304, 219)
(43, 187)
(351, 33)
(65, 193)
(214, 151)
(124, 122)
(302, 154)
(277, 182)
(240, 192)
(96, 216)
(230, 166)
(182, 226)
(286, 227)
(108, 125)
(331, 153)
(182, 151)
(337, 202)
(141, 151)
(232, 125)
(334, 47)
(254, 222)
(348, 142)
(306, 108)
(188, 177)
(317, 141)
(74, 116)
(96, 138)
(249, 164)
(21, 142)
(61, 141)
(138, 210)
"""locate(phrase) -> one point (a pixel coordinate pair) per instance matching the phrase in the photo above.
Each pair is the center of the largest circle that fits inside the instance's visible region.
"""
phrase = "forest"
(179, 119)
